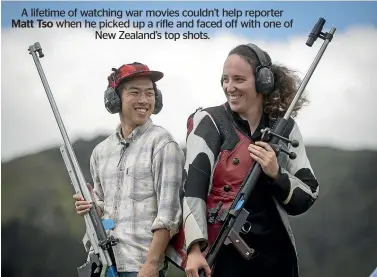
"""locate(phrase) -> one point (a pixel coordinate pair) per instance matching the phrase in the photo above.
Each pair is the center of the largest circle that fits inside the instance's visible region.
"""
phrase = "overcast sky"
(342, 95)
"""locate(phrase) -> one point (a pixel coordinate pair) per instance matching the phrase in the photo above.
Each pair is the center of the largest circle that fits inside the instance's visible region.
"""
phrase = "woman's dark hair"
(285, 88)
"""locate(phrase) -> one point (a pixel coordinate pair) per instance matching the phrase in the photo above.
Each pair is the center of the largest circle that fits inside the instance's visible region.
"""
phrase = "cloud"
(341, 112)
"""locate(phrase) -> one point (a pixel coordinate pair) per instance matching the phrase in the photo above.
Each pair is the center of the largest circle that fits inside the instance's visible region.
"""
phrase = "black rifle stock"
(237, 215)
(100, 261)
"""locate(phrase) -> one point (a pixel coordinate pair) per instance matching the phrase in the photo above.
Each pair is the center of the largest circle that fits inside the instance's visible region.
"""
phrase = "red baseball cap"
(127, 71)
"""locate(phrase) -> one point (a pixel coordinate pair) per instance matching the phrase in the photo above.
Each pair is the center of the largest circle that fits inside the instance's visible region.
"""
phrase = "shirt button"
(236, 161)
(227, 188)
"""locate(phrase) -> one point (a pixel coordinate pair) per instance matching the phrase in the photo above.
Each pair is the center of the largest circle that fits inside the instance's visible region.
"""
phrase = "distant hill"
(41, 234)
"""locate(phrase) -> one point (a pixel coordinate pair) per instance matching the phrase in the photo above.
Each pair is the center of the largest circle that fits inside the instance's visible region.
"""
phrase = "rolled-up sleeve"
(168, 165)
(97, 188)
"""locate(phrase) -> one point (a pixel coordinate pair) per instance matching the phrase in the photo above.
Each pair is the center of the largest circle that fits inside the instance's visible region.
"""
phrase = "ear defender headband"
(264, 77)
(112, 100)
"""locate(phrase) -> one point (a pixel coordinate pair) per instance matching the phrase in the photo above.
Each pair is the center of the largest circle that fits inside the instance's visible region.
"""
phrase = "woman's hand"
(195, 262)
(263, 154)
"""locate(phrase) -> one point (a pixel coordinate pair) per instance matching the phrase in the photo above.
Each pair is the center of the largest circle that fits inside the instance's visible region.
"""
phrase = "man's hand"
(263, 154)
(149, 269)
(82, 206)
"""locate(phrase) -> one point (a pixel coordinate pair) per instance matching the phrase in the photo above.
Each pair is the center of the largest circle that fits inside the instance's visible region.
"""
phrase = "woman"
(222, 144)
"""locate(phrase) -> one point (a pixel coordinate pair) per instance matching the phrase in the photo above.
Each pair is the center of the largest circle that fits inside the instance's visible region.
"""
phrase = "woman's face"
(239, 85)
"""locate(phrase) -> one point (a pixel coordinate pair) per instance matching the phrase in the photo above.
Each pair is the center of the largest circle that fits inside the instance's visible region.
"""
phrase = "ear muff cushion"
(158, 103)
(265, 81)
(112, 101)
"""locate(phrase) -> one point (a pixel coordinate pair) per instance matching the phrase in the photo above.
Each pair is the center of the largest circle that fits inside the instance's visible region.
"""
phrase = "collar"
(243, 125)
(137, 132)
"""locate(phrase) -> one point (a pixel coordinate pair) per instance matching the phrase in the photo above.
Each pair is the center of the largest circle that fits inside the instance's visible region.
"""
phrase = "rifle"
(101, 261)
(237, 214)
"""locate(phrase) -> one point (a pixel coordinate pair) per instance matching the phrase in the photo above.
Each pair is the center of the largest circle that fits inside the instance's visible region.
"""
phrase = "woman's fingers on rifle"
(257, 150)
(265, 146)
(192, 272)
(258, 154)
(258, 160)
(207, 271)
(189, 272)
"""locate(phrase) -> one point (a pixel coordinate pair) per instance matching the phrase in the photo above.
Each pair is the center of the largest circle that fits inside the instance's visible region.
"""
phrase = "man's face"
(138, 100)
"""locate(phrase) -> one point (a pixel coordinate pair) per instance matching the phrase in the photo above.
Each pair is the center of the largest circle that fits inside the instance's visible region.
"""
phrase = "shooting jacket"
(217, 161)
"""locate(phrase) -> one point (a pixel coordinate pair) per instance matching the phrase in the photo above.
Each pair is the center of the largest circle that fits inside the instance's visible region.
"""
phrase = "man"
(137, 174)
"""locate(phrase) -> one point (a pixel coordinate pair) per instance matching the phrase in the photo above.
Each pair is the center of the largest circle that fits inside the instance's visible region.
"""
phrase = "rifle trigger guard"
(247, 230)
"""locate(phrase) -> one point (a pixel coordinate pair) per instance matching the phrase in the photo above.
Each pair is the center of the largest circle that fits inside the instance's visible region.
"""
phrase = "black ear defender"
(158, 102)
(264, 77)
(113, 103)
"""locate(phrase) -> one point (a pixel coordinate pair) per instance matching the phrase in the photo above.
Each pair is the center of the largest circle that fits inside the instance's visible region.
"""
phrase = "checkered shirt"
(138, 184)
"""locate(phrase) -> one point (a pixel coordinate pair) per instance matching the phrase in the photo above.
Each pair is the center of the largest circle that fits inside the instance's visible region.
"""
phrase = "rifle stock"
(237, 215)
(100, 261)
